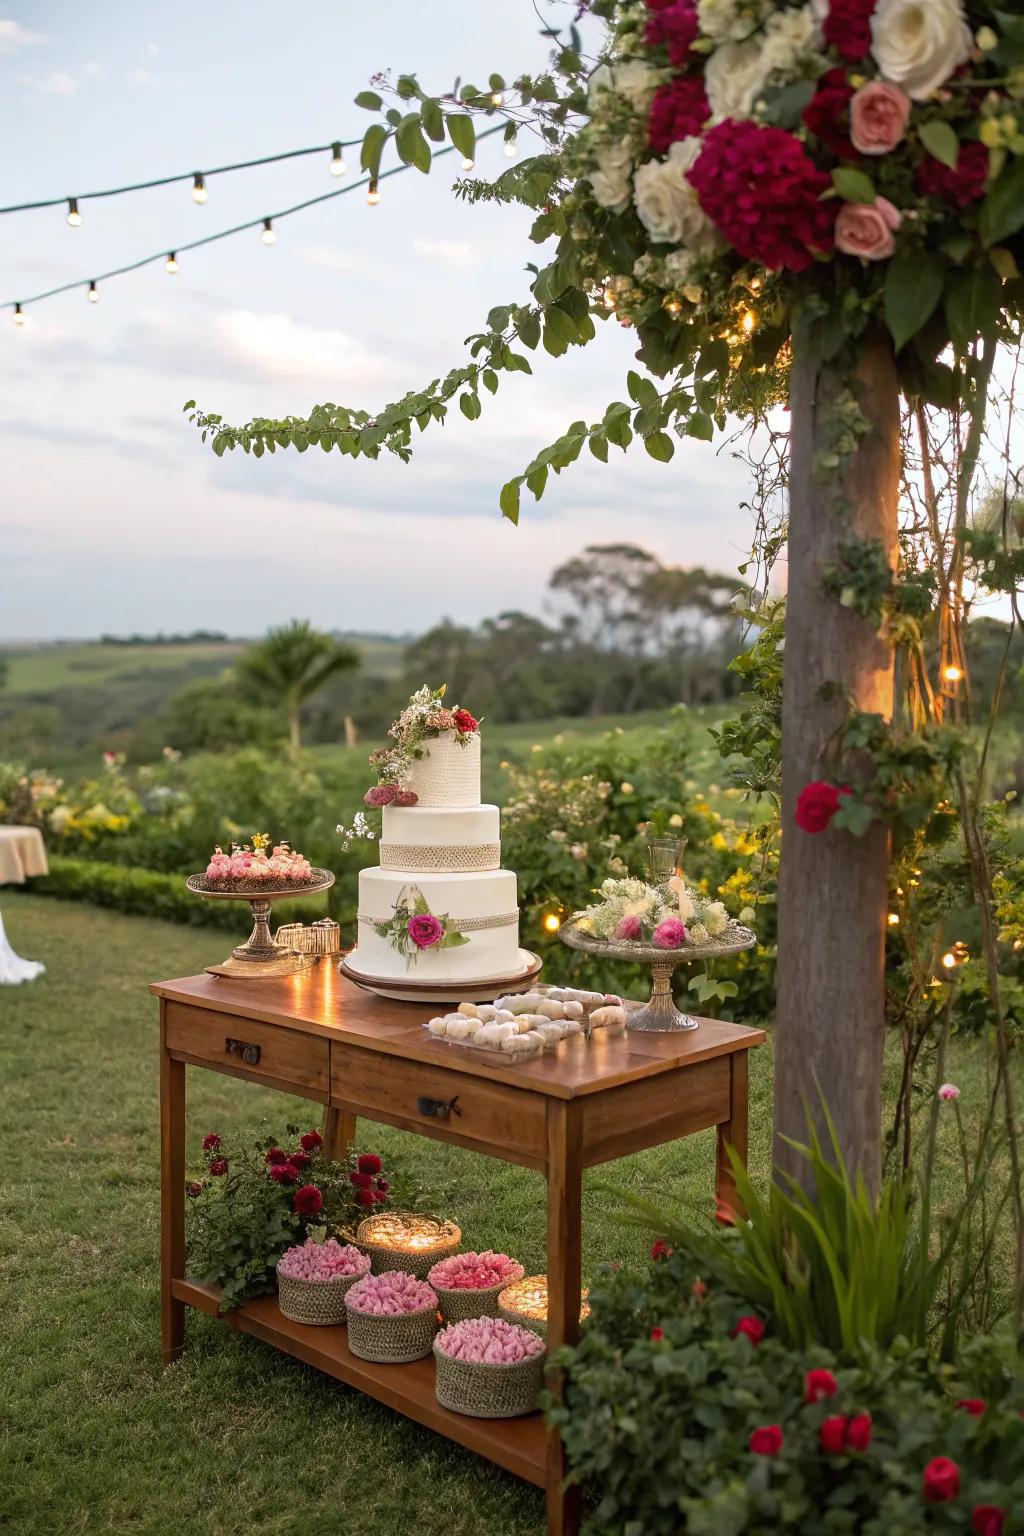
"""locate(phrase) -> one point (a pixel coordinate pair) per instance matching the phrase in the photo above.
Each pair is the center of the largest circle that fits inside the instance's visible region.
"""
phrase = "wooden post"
(833, 886)
(172, 1196)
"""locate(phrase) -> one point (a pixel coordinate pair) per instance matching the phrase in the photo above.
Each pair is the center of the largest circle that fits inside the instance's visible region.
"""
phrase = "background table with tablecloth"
(22, 857)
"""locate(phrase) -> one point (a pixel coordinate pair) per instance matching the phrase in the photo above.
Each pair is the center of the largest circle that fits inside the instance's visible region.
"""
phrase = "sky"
(113, 517)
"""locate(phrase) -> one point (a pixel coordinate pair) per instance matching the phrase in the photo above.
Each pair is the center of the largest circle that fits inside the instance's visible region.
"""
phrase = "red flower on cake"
(767, 1441)
(763, 190)
(674, 24)
(308, 1200)
(847, 28)
(465, 722)
(380, 794)
(940, 1481)
(406, 797)
(817, 803)
(679, 110)
(311, 1142)
(211, 1142)
(425, 930)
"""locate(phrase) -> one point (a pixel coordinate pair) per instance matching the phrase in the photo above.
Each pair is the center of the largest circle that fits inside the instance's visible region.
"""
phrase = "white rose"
(734, 77)
(789, 38)
(610, 181)
(730, 20)
(918, 44)
(636, 81)
(667, 203)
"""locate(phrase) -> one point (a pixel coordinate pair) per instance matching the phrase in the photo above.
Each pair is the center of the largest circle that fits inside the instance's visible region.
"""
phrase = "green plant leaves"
(411, 145)
(913, 288)
(1002, 212)
(508, 501)
(660, 446)
(852, 185)
(462, 132)
(374, 140)
(940, 140)
(971, 304)
(369, 101)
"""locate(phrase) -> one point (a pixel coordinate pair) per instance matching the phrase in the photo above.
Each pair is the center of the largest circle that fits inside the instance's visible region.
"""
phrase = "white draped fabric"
(13, 968)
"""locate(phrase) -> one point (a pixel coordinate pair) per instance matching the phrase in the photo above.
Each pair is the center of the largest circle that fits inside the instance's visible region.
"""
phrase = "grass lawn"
(234, 1440)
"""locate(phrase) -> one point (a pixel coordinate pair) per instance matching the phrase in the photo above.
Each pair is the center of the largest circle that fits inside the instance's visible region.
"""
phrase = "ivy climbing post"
(833, 886)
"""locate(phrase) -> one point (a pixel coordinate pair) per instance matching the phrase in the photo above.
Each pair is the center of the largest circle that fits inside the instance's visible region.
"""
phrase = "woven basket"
(391, 1340)
(459, 1302)
(488, 1391)
(418, 1263)
(320, 1303)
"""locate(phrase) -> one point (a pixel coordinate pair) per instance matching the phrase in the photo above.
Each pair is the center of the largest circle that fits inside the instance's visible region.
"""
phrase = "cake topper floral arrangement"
(414, 928)
(668, 916)
(424, 718)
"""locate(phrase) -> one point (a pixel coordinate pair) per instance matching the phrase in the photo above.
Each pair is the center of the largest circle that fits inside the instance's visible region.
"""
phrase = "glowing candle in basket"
(529, 1298)
(405, 1231)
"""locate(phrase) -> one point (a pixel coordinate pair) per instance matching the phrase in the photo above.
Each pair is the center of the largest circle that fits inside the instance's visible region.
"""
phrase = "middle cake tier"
(425, 839)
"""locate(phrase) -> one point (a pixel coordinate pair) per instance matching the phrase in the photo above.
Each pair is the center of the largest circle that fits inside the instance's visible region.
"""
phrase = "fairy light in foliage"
(952, 673)
(337, 166)
(199, 192)
(894, 919)
(552, 922)
(749, 321)
(73, 217)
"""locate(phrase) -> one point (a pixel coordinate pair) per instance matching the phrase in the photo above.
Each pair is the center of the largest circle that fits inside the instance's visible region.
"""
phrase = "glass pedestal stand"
(260, 955)
(660, 1012)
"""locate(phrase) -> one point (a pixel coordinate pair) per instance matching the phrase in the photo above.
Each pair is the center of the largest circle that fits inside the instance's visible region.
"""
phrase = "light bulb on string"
(337, 166)
(949, 960)
(552, 922)
(511, 147)
(952, 673)
(749, 321)
(171, 264)
(73, 217)
(199, 192)
(467, 163)
(894, 919)
(269, 235)
(93, 294)
(373, 192)
(497, 99)
(19, 318)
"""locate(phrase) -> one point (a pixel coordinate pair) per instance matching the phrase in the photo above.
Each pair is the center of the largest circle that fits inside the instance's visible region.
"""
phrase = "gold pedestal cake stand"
(660, 1013)
(261, 955)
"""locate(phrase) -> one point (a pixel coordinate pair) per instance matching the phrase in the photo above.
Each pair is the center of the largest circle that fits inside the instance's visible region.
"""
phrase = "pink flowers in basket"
(323, 1261)
(475, 1271)
(489, 1341)
(390, 1294)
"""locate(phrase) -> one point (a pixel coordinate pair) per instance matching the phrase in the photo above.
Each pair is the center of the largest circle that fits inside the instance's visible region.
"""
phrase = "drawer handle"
(250, 1054)
(439, 1109)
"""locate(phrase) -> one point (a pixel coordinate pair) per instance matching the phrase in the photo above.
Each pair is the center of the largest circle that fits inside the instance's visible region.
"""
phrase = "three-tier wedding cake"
(438, 908)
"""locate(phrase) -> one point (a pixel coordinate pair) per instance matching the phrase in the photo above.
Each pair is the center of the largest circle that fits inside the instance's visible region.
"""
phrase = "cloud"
(72, 437)
(139, 77)
(460, 254)
(328, 258)
(58, 83)
(13, 36)
(153, 49)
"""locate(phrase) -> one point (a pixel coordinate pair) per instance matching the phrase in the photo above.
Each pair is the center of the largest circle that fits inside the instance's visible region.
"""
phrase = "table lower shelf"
(518, 1445)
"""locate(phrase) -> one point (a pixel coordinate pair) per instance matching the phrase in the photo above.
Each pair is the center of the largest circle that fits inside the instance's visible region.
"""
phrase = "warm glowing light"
(467, 164)
(73, 217)
(609, 298)
(552, 922)
(497, 99)
(949, 959)
(672, 307)
(408, 1233)
(269, 235)
(529, 1298)
(756, 284)
(199, 192)
(337, 161)
(894, 919)
(93, 294)
(19, 318)
(373, 193)
(171, 264)
(749, 321)
(952, 673)
(510, 148)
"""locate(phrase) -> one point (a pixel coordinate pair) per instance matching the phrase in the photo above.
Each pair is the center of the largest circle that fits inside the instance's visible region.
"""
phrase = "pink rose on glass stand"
(866, 229)
(669, 934)
(629, 928)
(878, 117)
(425, 930)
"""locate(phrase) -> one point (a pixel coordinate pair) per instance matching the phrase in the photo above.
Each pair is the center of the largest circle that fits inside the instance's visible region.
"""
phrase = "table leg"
(565, 1257)
(339, 1133)
(172, 1196)
(732, 1133)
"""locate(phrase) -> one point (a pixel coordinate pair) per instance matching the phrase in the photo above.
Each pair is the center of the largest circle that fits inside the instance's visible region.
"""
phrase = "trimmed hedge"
(148, 893)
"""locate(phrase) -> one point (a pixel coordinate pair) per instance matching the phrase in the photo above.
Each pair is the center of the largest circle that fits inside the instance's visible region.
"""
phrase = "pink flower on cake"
(669, 934)
(380, 794)
(425, 930)
(440, 720)
(879, 113)
(404, 797)
(866, 229)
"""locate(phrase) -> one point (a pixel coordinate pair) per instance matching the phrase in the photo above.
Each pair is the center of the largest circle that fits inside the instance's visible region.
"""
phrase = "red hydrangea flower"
(360, 1180)
(674, 24)
(827, 114)
(766, 1441)
(859, 1431)
(987, 1520)
(940, 1481)
(751, 1328)
(299, 1160)
(818, 1384)
(308, 1200)
(817, 803)
(311, 1142)
(211, 1142)
(961, 187)
(678, 110)
(365, 1197)
(465, 722)
(193, 1189)
(369, 1162)
(832, 1434)
(762, 189)
(661, 1250)
(283, 1173)
(275, 1156)
(975, 1406)
(847, 28)
(219, 1166)
(657, 1334)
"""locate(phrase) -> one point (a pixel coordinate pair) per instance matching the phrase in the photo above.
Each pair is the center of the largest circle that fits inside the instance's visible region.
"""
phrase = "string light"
(73, 217)
(373, 192)
(337, 166)
(467, 164)
(268, 236)
(497, 99)
(952, 673)
(511, 147)
(171, 264)
(894, 919)
(94, 294)
(672, 307)
(749, 321)
(19, 318)
(552, 922)
(199, 192)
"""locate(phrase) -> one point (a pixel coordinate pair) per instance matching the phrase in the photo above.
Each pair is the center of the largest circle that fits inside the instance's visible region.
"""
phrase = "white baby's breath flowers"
(667, 204)
(918, 46)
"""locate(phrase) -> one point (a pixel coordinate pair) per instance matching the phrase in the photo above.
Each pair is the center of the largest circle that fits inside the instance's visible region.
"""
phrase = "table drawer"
(414, 1096)
(265, 1053)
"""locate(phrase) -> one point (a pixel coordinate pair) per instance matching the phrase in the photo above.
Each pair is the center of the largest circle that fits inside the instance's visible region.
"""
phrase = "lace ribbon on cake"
(462, 924)
(447, 857)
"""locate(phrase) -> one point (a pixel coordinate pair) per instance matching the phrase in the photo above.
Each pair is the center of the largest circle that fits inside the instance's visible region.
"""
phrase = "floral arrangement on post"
(668, 916)
(414, 928)
(424, 718)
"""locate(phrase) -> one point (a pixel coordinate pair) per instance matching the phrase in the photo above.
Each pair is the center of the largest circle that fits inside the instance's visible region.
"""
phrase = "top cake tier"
(448, 773)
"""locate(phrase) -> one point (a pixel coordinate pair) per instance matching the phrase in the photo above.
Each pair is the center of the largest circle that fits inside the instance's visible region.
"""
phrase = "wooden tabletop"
(323, 1002)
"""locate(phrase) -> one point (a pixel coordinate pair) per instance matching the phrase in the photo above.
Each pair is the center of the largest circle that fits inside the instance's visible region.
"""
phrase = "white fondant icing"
(448, 773)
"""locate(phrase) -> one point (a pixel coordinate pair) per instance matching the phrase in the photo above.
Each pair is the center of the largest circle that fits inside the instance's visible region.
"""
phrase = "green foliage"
(209, 715)
(290, 665)
(660, 1427)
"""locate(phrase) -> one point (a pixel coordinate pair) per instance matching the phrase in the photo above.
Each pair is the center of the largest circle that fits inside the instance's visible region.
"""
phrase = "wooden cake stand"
(261, 956)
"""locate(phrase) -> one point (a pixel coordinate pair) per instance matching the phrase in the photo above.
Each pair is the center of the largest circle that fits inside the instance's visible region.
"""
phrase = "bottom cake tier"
(483, 907)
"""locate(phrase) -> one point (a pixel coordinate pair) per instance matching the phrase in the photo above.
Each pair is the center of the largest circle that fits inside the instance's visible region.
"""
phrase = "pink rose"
(878, 117)
(866, 229)
(629, 928)
(669, 934)
(425, 930)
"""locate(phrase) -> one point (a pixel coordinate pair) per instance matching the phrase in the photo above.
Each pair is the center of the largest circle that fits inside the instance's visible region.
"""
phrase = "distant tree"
(210, 715)
(4, 670)
(448, 653)
(289, 666)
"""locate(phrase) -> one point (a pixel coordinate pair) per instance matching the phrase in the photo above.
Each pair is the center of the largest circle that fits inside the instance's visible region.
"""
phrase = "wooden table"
(319, 1036)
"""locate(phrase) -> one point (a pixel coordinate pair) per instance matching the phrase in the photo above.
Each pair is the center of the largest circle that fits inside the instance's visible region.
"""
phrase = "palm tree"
(291, 664)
